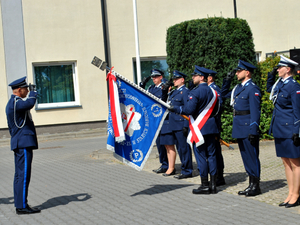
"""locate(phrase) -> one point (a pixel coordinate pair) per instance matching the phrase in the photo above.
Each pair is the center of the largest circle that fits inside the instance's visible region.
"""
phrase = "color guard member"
(285, 124)
(245, 100)
(23, 140)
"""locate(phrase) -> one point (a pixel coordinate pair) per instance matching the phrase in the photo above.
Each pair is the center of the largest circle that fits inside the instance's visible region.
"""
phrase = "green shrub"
(266, 104)
(214, 43)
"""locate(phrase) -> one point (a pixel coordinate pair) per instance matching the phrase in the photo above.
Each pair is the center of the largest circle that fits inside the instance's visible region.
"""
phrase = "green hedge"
(215, 43)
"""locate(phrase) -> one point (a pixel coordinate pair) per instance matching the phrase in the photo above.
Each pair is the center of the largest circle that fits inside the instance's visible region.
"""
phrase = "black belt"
(245, 112)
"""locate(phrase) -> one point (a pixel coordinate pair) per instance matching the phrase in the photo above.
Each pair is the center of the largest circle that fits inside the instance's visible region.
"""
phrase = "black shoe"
(292, 205)
(27, 210)
(160, 170)
(170, 174)
(283, 204)
(213, 184)
(204, 187)
(220, 178)
(202, 190)
(244, 192)
(255, 189)
(183, 176)
(220, 181)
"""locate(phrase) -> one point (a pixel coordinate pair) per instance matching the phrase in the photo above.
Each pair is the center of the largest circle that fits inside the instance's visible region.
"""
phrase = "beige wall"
(272, 23)
(3, 86)
(69, 30)
(154, 18)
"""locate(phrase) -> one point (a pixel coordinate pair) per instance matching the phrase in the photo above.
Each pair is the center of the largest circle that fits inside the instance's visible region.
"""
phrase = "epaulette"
(195, 87)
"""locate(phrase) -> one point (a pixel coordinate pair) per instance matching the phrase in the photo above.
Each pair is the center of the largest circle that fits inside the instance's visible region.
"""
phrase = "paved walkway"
(77, 181)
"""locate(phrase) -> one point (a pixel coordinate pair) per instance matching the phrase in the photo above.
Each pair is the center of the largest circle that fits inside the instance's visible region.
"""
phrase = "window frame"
(146, 59)
(56, 105)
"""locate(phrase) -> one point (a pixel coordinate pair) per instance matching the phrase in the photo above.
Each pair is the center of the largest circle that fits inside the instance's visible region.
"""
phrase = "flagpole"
(103, 65)
(137, 49)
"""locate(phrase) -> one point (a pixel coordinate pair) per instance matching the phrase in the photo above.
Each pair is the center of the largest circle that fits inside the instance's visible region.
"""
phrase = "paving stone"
(77, 181)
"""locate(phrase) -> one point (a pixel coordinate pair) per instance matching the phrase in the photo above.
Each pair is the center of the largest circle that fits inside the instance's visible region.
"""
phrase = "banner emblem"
(156, 110)
(136, 155)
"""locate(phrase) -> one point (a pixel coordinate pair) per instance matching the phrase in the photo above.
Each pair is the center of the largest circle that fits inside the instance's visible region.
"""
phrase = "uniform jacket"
(156, 91)
(286, 114)
(18, 110)
(218, 116)
(198, 99)
(247, 97)
(175, 122)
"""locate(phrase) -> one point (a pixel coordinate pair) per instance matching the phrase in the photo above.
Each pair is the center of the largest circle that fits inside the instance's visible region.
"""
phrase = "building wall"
(273, 28)
(273, 23)
(71, 30)
(3, 86)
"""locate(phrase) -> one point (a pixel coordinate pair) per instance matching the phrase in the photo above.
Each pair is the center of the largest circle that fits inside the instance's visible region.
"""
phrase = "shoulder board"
(195, 88)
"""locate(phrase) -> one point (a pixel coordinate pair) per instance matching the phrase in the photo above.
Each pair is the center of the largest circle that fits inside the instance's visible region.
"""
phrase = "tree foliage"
(214, 43)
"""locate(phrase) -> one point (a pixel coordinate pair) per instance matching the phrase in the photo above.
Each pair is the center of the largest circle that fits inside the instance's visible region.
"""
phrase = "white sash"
(196, 125)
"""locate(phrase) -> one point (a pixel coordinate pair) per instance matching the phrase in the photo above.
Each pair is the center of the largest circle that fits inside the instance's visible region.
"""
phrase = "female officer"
(285, 125)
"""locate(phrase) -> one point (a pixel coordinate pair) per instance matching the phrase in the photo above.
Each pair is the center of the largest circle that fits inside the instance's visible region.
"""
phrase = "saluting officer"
(23, 140)
(156, 90)
(175, 130)
(202, 105)
(245, 100)
(285, 124)
(220, 161)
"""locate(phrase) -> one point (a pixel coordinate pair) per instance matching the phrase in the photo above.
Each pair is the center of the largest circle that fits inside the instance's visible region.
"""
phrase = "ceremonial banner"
(142, 115)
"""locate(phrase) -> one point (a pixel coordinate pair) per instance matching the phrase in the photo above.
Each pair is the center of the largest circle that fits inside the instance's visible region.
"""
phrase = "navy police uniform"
(157, 91)
(245, 100)
(23, 141)
(286, 114)
(220, 160)
(172, 129)
(205, 154)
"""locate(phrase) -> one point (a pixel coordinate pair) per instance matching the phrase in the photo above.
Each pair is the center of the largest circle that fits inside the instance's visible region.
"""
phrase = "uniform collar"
(211, 84)
(245, 82)
(283, 80)
(180, 87)
(158, 85)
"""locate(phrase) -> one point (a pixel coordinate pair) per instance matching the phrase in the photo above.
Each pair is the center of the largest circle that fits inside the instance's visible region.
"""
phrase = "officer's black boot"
(220, 178)
(204, 187)
(255, 189)
(213, 184)
(248, 188)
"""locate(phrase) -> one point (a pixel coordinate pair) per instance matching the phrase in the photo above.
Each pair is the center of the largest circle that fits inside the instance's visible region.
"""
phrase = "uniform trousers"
(220, 160)
(250, 156)
(162, 152)
(23, 160)
(205, 155)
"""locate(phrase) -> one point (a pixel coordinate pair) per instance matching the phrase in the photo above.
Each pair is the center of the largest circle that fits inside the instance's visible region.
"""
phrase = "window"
(56, 85)
(258, 56)
(147, 64)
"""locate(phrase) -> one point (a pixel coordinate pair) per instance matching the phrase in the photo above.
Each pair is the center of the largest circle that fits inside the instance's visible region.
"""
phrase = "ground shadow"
(64, 200)
(9, 200)
(271, 185)
(161, 188)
